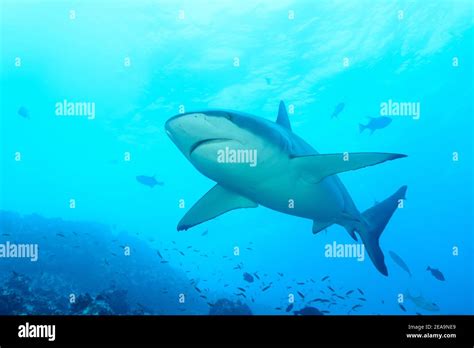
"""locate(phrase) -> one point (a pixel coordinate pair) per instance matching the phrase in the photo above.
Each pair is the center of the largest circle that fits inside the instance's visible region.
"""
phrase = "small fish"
(325, 312)
(339, 296)
(149, 181)
(60, 235)
(164, 261)
(203, 296)
(324, 278)
(301, 295)
(159, 254)
(289, 308)
(330, 288)
(249, 248)
(355, 307)
(337, 110)
(362, 299)
(6, 234)
(436, 273)
(399, 261)
(361, 292)
(402, 307)
(278, 308)
(349, 292)
(197, 289)
(268, 80)
(266, 288)
(280, 274)
(375, 123)
(181, 252)
(204, 233)
(248, 277)
(241, 294)
(210, 304)
(114, 254)
(300, 283)
(241, 289)
(256, 275)
(23, 112)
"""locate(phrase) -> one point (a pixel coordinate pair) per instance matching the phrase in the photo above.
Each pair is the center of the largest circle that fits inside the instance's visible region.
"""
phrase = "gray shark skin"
(289, 176)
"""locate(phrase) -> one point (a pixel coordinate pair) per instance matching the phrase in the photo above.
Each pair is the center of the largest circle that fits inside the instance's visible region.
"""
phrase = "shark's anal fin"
(215, 202)
(320, 226)
(314, 168)
(282, 118)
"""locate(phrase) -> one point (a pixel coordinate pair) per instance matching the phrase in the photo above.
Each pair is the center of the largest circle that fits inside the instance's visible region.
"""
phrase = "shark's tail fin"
(361, 127)
(376, 218)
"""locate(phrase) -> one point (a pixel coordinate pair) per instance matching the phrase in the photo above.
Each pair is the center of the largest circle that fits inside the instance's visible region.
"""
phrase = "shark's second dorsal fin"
(215, 202)
(282, 118)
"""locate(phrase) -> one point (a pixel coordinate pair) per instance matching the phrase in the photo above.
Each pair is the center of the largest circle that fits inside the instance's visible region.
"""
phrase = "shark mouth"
(207, 141)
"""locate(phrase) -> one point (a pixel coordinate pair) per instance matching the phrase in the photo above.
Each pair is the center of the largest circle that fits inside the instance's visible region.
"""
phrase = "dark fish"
(330, 288)
(398, 260)
(23, 112)
(362, 299)
(325, 312)
(339, 296)
(60, 235)
(6, 234)
(197, 289)
(402, 307)
(249, 248)
(299, 293)
(159, 254)
(361, 292)
(256, 275)
(289, 308)
(300, 283)
(148, 181)
(280, 274)
(436, 273)
(164, 261)
(210, 304)
(114, 254)
(248, 277)
(375, 123)
(268, 80)
(181, 252)
(355, 307)
(308, 311)
(204, 233)
(241, 289)
(324, 278)
(266, 288)
(278, 308)
(349, 292)
(337, 110)
(241, 294)
(203, 296)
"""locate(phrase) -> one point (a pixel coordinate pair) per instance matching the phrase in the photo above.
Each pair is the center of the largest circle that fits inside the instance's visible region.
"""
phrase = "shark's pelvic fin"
(314, 168)
(376, 218)
(320, 226)
(282, 118)
(215, 202)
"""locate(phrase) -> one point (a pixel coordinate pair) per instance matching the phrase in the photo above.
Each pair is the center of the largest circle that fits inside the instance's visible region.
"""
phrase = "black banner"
(134, 330)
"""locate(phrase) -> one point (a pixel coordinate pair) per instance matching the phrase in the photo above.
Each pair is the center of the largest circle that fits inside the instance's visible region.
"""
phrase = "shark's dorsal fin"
(215, 202)
(314, 168)
(282, 118)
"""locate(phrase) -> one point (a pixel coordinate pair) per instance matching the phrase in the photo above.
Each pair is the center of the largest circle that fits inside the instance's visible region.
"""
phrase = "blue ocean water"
(141, 62)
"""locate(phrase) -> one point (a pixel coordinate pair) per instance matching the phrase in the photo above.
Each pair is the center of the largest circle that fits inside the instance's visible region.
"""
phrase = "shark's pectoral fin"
(215, 202)
(314, 168)
(319, 226)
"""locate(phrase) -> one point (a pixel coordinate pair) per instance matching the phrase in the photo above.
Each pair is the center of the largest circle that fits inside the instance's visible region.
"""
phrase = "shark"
(290, 176)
